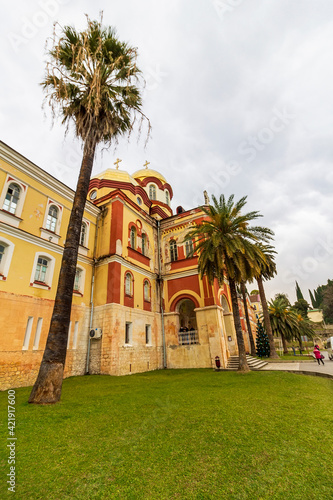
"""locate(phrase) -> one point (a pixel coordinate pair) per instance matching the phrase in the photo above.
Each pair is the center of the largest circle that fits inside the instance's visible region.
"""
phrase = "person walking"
(318, 355)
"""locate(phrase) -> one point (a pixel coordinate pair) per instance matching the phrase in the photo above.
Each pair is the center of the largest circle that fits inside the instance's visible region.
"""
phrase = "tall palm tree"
(90, 82)
(247, 319)
(225, 242)
(267, 271)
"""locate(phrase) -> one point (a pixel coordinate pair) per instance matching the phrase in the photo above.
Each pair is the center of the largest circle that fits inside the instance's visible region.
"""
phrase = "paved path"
(304, 366)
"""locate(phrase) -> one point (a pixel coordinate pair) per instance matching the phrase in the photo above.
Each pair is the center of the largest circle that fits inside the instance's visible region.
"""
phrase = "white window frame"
(69, 334)
(167, 197)
(49, 273)
(51, 220)
(80, 288)
(7, 257)
(48, 234)
(7, 217)
(144, 244)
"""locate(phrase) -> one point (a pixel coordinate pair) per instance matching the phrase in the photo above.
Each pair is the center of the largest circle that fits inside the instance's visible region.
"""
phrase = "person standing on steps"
(317, 354)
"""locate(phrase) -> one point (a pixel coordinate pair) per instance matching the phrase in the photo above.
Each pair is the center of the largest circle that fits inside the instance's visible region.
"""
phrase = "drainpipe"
(160, 282)
(92, 291)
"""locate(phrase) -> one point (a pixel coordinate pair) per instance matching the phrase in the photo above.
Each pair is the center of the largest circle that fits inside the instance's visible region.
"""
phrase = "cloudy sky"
(239, 95)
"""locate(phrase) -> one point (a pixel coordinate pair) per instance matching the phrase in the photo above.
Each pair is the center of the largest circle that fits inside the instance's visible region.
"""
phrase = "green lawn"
(178, 434)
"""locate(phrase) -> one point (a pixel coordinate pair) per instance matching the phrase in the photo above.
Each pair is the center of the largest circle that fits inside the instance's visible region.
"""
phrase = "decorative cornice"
(36, 240)
(9, 155)
(157, 181)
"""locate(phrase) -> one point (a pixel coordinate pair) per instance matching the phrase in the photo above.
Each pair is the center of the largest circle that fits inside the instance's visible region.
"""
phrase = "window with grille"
(12, 198)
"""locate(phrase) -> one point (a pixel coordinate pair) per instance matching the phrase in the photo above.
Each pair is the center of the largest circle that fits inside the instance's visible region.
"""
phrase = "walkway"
(303, 366)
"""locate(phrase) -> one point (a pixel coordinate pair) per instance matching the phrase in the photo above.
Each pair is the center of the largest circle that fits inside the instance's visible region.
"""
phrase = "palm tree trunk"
(243, 366)
(284, 343)
(273, 354)
(47, 388)
(248, 324)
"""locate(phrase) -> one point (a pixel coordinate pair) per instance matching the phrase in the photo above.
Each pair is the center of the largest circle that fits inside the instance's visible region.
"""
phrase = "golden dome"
(148, 172)
(116, 175)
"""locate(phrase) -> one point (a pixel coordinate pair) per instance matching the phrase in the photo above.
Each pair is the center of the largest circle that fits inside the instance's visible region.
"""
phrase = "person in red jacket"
(317, 354)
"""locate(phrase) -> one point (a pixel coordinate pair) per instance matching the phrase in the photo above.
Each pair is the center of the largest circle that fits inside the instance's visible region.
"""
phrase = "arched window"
(152, 192)
(12, 198)
(133, 238)
(41, 269)
(128, 284)
(83, 234)
(144, 244)
(167, 197)
(173, 251)
(189, 248)
(52, 217)
(146, 290)
(6, 253)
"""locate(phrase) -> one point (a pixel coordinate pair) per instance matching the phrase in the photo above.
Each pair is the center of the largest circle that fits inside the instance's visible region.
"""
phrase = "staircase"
(254, 363)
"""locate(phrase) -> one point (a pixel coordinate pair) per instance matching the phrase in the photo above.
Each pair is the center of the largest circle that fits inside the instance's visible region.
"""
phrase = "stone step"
(254, 363)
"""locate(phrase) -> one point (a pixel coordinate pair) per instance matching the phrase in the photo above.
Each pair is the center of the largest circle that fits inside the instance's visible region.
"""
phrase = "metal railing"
(188, 338)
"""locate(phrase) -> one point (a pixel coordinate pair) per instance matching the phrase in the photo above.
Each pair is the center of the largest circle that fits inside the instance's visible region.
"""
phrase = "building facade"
(136, 283)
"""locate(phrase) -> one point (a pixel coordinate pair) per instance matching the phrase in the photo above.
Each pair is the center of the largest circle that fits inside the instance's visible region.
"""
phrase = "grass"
(178, 434)
(298, 357)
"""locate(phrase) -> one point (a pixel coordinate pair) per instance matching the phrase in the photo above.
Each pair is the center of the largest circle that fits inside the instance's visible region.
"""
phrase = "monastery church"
(138, 301)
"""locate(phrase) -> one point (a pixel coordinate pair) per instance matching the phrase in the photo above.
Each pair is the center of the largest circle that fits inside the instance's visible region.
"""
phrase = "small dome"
(148, 172)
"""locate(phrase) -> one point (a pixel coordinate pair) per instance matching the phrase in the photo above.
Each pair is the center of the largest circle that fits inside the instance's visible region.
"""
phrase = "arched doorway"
(187, 318)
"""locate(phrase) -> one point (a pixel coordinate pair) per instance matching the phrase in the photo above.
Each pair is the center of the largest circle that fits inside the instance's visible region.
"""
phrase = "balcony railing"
(188, 338)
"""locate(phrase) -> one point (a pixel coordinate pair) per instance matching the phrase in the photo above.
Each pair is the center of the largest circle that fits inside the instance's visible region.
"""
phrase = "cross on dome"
(117, 163)
(146, 164)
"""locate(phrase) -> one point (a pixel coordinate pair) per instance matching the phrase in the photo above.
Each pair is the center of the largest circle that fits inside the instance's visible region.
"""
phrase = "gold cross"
(117, 163)
(146, 164)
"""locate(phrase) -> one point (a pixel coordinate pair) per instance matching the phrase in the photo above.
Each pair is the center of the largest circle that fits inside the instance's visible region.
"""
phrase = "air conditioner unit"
(96, 333)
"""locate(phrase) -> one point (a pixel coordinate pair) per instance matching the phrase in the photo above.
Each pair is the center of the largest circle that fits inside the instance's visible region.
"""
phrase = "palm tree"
(225, 244)
(267, 271)
(283, 321)
(248, 324)
(90, 82)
